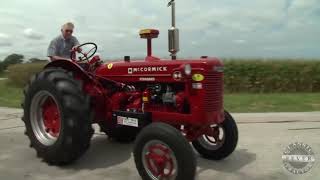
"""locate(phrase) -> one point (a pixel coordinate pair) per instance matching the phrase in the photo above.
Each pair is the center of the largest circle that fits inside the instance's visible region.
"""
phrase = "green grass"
(278, 102)
(275, 102)
(9, 96)
(3, 75)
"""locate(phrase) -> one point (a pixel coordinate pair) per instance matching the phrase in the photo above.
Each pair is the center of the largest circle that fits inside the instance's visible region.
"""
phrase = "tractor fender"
(70, 66)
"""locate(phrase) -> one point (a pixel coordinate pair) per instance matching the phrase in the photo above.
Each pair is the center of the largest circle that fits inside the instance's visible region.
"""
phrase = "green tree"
(1, 67)
(10, 60)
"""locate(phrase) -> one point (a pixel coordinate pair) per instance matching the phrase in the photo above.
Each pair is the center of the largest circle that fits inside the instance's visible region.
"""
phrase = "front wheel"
(222, 141)
(161, 152)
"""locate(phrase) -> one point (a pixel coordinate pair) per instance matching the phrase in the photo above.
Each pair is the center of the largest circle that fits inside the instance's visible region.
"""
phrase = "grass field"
(3, 75)
(278, 102)
(9, 96)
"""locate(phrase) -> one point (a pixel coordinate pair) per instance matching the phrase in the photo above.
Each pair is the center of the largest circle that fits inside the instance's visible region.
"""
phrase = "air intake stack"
(173, 32)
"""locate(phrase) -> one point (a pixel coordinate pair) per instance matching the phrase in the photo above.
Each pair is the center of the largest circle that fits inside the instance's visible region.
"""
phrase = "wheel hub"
(51, 117)
(159, 161)
(45, 118)
(214, 138)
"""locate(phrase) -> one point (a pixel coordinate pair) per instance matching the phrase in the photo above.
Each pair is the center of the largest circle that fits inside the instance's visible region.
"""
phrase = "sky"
(228, 28)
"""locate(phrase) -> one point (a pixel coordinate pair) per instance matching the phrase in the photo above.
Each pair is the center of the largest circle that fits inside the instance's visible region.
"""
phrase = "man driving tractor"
(164, 106)
(61, 46)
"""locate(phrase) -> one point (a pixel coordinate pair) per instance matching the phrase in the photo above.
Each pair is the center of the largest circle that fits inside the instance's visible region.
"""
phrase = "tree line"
(16, 59)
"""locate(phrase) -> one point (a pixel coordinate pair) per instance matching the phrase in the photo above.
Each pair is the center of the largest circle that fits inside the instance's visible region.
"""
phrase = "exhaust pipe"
(173, 32)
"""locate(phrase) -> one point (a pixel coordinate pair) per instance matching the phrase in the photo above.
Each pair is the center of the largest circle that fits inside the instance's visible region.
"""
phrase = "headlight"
(187, 69)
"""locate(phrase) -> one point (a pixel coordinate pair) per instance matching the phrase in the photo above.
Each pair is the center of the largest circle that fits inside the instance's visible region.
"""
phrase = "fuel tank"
(157, 70)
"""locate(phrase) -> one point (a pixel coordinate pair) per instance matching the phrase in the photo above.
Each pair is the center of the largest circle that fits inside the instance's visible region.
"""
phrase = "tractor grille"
(213, 85)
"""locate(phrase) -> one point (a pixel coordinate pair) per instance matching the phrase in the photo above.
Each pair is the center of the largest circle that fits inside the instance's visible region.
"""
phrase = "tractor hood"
(158, 70)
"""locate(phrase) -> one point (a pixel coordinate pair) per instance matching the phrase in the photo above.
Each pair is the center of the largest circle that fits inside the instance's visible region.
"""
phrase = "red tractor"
(161, 104)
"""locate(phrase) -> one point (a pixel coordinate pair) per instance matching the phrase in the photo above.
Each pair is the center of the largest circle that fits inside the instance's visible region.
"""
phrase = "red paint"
(206, 105)
(106, 86)
(158, 159)
(180, 100)
(152, 58)
(51, 117)
(149, 47)
(94, 60)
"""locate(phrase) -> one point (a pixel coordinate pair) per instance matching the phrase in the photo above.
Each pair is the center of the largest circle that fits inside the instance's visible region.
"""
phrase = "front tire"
(222, 144)
(57, 116)
(161, 152)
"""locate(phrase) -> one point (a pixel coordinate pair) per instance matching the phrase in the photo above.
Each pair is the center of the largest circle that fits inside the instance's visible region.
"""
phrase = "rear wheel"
(161, 152)
(222, 141)
(57, 116)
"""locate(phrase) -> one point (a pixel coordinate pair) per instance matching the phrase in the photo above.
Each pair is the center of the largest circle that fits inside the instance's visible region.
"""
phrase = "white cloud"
(210, 27)
(32, 34)
(5, 40)
(239, 41)
(302, 5)
(4, 36)
(119, 35)
(5, 44)
(194, 43)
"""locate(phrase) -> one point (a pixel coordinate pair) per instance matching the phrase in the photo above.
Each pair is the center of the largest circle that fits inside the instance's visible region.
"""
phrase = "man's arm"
(52, 52)
(75, 44)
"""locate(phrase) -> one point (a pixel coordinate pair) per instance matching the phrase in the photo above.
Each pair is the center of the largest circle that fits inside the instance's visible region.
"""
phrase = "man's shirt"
(62, 47)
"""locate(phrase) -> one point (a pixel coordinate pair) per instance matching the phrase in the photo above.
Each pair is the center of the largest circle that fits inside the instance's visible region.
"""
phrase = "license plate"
(127, 121)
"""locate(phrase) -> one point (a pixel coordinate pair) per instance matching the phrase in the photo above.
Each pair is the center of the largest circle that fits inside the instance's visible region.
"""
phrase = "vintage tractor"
(161, 104)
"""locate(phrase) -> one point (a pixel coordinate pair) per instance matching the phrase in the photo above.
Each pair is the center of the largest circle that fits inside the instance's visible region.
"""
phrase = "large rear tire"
(162, 152)
(221, 146)
(57, 116)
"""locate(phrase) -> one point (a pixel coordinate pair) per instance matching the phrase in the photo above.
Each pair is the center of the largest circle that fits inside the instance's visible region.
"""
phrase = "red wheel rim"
(159, 161)
(51, 117)
(45, 118)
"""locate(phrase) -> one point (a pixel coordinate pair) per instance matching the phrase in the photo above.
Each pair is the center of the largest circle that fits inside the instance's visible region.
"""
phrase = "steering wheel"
(85, 56)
